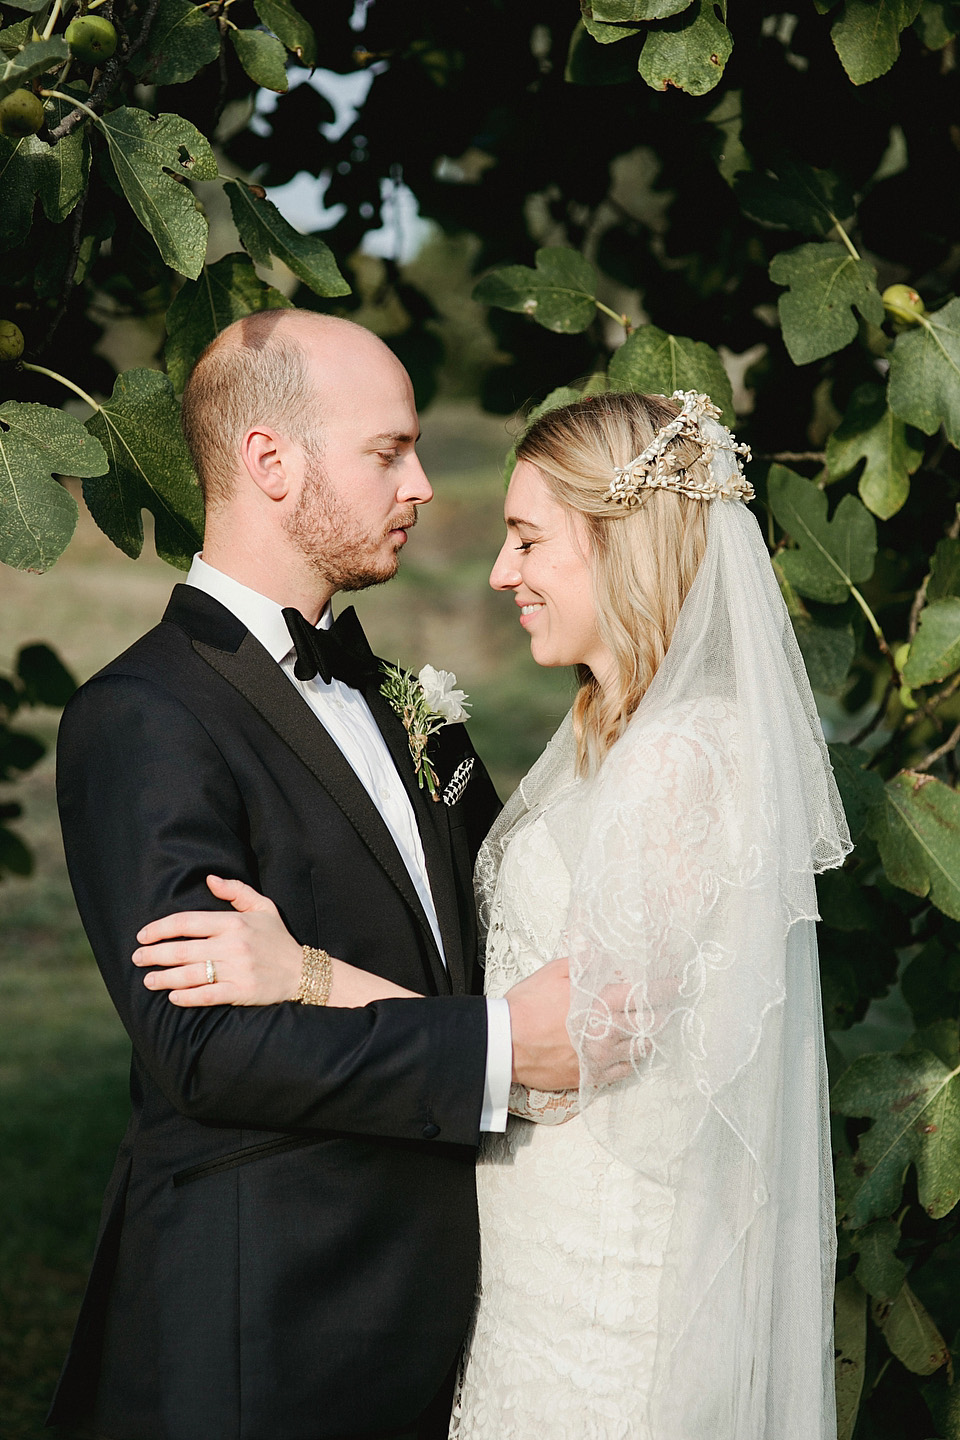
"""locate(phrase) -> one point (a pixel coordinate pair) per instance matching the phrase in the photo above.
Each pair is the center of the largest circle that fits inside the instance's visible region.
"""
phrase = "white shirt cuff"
(496, 1084)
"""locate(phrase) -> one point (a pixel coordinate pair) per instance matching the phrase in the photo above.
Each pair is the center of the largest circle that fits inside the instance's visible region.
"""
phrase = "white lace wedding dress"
(556, 1353)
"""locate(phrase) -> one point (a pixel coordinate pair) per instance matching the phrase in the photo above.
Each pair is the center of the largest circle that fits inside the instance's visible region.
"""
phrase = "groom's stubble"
(325, 533)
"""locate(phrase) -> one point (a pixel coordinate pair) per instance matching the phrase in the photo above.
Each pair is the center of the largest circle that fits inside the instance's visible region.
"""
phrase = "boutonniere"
(425, 703)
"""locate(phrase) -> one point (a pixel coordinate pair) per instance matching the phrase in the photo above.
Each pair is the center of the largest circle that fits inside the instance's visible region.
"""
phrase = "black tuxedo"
(288, 1244)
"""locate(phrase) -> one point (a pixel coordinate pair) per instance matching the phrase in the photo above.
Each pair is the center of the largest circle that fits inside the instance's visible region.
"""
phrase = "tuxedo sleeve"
(149, 807)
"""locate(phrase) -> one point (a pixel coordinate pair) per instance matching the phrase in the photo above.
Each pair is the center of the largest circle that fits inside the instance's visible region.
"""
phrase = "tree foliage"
(658, 194)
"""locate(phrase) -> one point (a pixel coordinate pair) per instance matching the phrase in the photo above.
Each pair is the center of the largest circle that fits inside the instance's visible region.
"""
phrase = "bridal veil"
(692, 853)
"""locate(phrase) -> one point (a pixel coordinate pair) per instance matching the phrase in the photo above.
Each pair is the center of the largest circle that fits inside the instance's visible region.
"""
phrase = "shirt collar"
(262, 617)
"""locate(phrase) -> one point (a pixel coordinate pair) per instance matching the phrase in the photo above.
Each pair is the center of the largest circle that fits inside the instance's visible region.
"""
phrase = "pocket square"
(458, 782)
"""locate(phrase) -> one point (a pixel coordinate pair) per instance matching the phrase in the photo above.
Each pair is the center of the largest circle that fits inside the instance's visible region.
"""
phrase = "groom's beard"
(347, 557)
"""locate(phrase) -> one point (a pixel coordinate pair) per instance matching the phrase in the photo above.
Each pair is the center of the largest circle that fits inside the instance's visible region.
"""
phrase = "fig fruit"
(91, 38)
(904, 304)
(11, 341)
(21, 113)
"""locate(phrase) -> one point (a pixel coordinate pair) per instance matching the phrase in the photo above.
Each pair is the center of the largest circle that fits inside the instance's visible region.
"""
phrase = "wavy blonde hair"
(643, 559)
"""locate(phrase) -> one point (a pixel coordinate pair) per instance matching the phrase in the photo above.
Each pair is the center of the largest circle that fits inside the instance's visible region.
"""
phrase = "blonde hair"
(255, 371)
(643, 559)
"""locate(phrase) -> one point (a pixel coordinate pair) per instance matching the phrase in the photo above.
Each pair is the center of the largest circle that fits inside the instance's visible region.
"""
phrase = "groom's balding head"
(273, 368)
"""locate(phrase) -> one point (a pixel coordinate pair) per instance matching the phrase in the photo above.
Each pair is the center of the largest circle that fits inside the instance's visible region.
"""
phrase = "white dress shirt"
(347, 718)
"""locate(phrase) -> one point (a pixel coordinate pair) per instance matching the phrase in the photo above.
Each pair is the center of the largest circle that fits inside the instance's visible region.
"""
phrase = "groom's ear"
(270, 460)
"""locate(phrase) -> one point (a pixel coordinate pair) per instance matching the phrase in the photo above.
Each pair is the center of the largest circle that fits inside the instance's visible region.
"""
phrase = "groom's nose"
(414, 487)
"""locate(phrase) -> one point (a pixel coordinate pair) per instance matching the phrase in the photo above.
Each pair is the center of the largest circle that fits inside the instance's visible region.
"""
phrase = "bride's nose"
(504, 575)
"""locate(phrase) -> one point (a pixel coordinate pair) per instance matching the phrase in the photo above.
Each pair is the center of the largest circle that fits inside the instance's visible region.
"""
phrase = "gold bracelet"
(316, 977)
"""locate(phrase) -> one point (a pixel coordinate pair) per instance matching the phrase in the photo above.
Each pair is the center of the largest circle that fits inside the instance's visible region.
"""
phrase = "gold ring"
(211, 973)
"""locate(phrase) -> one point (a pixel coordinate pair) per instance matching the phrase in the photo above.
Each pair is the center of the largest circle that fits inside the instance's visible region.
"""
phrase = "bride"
(657, 1247)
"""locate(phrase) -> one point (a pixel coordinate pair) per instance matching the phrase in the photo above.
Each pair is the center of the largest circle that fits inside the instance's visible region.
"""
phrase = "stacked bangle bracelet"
(316, 977)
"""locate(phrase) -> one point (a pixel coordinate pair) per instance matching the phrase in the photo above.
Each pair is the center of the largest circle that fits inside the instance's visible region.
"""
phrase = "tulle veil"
(691, 935)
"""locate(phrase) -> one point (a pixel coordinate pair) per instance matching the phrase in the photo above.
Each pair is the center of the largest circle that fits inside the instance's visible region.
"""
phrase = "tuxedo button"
(430, 1132)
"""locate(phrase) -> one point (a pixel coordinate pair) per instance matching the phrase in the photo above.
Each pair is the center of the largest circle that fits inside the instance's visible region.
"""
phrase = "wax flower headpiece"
(659, 467)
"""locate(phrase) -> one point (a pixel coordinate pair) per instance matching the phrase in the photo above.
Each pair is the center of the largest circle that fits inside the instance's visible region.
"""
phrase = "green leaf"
(941, 1038)
(37, 515)
(866, 35)
(910, 1332)
(860, 790)
(850, 1345)
(29, 164)
(18, 186)
(46, 680)
(606, 34)
(827, 644)
(14, 37)
(33, 60)
(619, 12)
(149, 469)
(183, 39)
(918, 832)
(559, 294)
(826, 284)
(832, 556)
(289, 26)
(925, 373)
(61, 170)
(935, 652)
(655, 363)
(224, 292)
(688, 52)
(795, 196)
(879, 1270)
(265, 233)
(263, 57)
(914, 1102)
(870, 431)
(944, 570)
(32, 5)
(147, 154)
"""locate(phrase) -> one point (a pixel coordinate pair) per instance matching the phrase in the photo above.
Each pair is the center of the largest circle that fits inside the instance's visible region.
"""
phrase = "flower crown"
(660, 468)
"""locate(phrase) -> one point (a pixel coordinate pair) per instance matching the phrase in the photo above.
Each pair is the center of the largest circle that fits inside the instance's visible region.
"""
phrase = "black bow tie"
(341, 653)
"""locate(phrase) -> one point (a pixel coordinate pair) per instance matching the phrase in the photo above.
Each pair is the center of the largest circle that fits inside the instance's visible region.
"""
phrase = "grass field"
(63, 1055)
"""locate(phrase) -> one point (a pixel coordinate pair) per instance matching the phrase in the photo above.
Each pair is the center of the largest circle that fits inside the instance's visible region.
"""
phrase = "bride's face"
(545, 561)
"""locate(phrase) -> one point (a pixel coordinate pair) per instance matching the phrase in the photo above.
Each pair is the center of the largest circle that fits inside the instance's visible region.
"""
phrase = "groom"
(288, 1247)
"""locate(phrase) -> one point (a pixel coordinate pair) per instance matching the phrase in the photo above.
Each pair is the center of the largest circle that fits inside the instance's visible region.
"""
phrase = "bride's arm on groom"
(149, 805)
(257, 962)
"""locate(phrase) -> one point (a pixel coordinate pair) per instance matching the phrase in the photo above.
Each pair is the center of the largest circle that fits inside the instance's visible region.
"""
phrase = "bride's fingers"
(178, 952)
(200, 924)
(182, 977)
(241, 896)
(201, 995)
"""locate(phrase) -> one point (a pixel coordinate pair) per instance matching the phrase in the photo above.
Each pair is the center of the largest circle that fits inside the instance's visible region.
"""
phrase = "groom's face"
(362, 481)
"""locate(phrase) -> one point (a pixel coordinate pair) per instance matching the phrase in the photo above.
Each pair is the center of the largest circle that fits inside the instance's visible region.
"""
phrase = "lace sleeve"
(545, 1107)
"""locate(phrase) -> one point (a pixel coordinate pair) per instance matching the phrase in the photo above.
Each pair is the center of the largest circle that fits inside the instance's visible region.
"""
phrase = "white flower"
(440, 695)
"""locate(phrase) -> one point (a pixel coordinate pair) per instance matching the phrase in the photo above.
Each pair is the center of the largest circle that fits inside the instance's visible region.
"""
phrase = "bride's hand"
(255, 959)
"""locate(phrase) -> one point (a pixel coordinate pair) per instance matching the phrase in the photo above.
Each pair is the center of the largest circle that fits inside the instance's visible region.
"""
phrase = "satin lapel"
(258, 678)
(434, 833)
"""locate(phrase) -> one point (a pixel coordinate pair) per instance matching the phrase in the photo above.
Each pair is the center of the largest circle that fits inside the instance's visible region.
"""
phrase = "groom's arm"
(149, 807)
